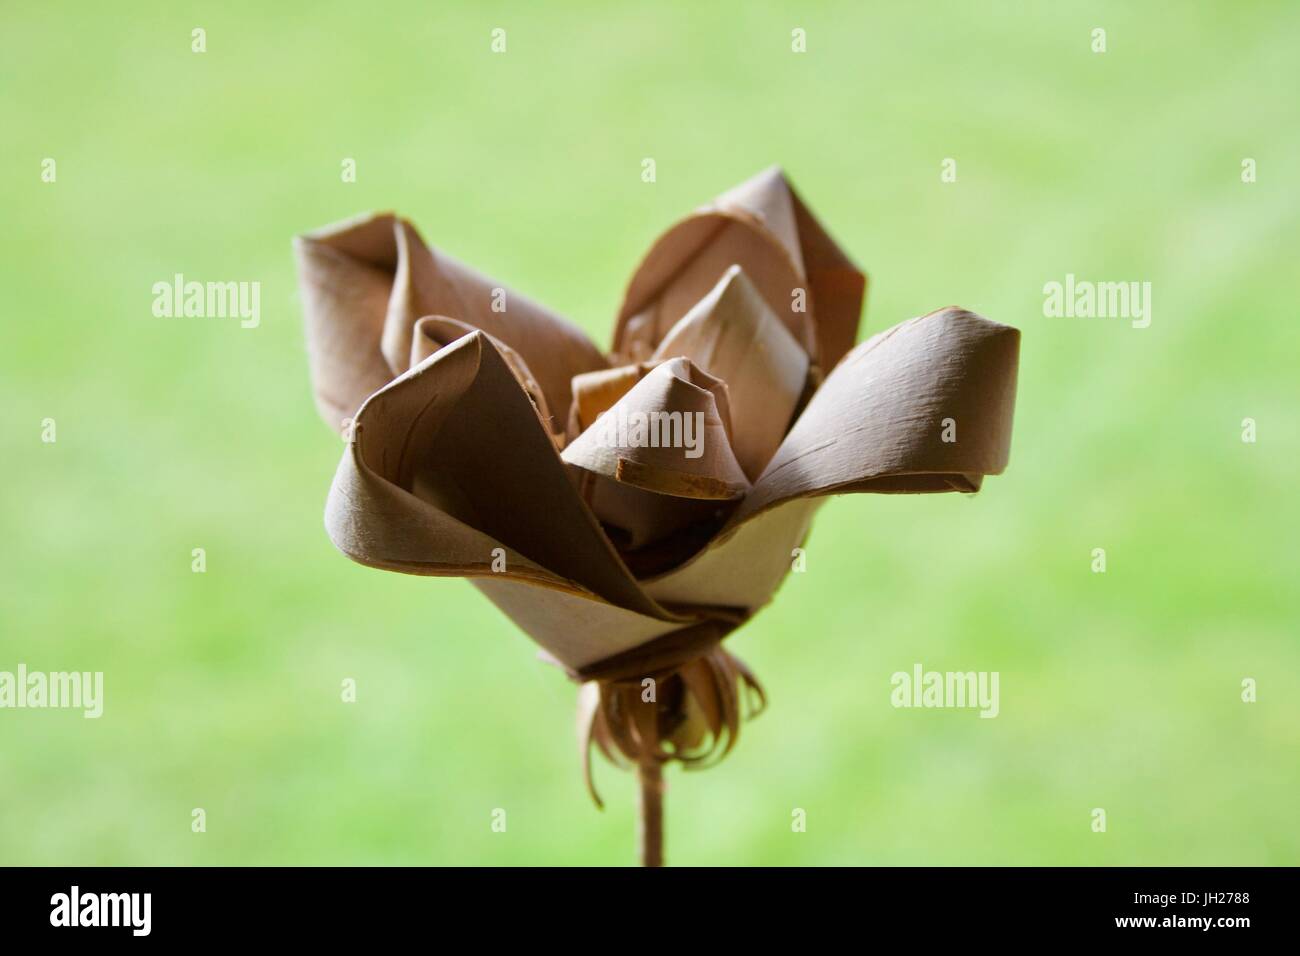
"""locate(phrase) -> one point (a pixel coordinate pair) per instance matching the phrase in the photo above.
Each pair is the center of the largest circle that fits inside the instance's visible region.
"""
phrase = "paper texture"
(480, 443)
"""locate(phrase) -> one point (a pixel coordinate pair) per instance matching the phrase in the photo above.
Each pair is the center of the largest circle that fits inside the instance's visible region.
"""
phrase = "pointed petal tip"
(734, 278)
(767, 178)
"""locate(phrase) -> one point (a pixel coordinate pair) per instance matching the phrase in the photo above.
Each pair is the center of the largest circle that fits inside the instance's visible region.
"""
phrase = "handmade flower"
(629, 511)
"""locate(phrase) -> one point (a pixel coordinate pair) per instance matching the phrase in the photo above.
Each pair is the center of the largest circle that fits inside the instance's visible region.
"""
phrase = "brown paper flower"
(490, 439)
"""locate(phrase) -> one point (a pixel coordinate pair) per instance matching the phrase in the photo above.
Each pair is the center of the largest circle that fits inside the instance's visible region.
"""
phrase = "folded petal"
(434, 332)
(668, 435)
(428, 282)
(659, 461)
(878, 424)
(449, 462)
(367, 281)
(924, 406)
(744, 565)
(733, 335)
(766, 229)
(576, 630)
(345, 273)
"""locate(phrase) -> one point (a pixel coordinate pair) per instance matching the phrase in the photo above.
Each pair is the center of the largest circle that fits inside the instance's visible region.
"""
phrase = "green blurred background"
(1118, 690)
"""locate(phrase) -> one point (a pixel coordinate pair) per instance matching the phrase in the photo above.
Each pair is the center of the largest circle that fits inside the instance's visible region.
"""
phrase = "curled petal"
(345, 274)
(922, 407)
(366, 283)
(878, 424)
(660, 458)
(668, 434)
(430, 282)
(426, 488)
(433, 332)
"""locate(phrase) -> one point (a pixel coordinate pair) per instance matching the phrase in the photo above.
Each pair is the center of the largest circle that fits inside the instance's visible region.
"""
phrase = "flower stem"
(650, 826)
